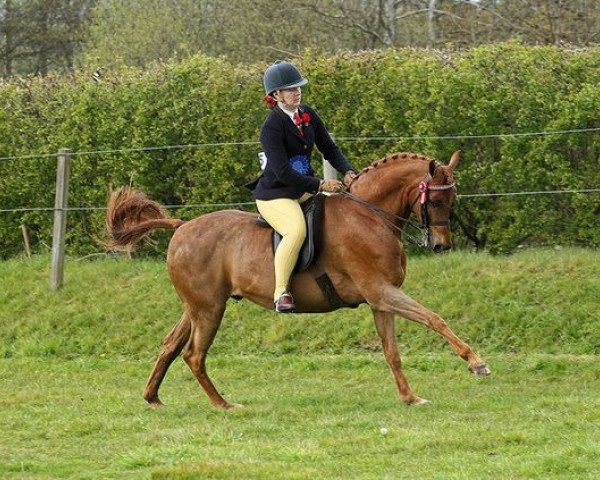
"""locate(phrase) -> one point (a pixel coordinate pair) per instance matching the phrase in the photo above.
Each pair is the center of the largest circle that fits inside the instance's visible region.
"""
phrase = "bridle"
(425, 186)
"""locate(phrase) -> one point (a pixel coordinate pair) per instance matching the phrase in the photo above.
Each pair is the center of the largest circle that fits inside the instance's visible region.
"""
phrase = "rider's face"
(290, 97)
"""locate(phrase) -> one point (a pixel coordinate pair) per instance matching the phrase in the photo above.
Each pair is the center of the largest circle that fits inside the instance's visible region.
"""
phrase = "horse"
(227, 254)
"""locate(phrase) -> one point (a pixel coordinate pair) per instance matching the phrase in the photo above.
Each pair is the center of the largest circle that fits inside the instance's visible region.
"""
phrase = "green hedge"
(493, 90)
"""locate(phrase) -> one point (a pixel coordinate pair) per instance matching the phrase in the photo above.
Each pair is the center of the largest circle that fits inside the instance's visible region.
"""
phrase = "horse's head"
(403, 183)
(433, 205)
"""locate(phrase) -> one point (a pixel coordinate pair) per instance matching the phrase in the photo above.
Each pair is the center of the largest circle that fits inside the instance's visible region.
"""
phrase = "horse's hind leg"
(390, 299)
(205, 323)
(170, 349)
(384, 322)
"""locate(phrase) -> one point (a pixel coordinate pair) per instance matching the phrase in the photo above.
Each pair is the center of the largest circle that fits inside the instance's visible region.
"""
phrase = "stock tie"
(298, 122)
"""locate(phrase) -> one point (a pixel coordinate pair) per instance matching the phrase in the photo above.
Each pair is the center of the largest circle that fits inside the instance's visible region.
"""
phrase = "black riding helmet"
(282, 75)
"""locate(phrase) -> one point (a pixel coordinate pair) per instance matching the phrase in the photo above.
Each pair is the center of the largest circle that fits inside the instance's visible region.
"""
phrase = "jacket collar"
(289, 123)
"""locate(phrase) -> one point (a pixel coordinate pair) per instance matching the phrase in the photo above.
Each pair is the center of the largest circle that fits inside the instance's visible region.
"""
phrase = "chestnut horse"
(227, 254)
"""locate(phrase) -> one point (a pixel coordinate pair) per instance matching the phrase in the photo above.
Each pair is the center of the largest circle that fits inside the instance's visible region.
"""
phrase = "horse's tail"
(130, 217)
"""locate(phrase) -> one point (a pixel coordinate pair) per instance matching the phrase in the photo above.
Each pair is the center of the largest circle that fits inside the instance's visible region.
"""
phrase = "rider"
(287, 138)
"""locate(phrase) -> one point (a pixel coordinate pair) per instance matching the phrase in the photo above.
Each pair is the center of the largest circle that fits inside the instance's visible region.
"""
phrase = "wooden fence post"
(60, 219)
(26, 240)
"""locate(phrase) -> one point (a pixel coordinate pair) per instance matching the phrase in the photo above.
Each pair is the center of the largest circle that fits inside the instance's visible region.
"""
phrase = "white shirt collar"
(286, 111)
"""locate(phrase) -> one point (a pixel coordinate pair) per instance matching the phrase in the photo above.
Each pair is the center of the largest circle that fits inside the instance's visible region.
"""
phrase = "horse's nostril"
(438, 248)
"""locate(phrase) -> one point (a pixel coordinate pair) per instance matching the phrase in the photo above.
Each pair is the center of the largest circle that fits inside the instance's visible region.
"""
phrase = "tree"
(535, 22)
(435, 23)
(373, 21)
(39, 35)
(137, 32)
(11, 33)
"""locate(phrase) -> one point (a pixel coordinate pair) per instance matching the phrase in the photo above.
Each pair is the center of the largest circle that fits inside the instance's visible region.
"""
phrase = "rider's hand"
(349, 177)
(331, 186)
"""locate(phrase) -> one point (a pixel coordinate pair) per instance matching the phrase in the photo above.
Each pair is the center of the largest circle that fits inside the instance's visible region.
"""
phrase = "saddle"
(311, 248)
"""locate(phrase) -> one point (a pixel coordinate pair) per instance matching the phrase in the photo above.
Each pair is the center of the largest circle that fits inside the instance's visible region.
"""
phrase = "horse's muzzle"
(440, 239)
(440, 247)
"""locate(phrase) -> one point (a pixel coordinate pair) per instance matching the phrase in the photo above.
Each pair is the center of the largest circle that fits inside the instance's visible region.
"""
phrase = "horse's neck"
(390, 187)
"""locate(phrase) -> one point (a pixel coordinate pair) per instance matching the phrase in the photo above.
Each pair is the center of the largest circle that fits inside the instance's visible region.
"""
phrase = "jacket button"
(305, 147)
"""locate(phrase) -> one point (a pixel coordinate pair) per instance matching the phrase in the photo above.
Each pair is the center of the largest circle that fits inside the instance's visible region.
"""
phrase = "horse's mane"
(401, 156)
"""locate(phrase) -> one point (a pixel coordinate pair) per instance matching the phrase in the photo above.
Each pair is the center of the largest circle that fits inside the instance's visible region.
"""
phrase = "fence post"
(26, 240)
(60, 219)
(328, 170)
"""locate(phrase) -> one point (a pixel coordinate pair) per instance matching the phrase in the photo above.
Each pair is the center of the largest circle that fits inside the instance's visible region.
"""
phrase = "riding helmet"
(282, 75)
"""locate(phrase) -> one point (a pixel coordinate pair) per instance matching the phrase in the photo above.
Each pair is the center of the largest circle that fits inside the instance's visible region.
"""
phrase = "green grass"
(537, 301)
(306, 417)
(317, 390)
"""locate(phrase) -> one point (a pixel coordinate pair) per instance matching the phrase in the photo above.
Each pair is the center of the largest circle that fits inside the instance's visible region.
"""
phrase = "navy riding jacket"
(288, 172)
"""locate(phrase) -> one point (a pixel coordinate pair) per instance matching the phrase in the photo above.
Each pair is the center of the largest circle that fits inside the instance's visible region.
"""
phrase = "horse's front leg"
(392, 300)
(384, 322)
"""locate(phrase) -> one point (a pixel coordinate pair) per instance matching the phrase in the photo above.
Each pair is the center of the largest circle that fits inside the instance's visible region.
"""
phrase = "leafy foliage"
(418, 95)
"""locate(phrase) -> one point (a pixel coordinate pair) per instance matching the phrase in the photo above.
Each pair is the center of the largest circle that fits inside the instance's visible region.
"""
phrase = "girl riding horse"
(287, 138)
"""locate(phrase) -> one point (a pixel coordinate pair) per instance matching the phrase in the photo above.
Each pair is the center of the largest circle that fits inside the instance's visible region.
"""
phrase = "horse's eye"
(436, 204)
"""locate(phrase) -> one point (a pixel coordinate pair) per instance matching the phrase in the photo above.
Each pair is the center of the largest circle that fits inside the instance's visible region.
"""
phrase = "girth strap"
(330, 293)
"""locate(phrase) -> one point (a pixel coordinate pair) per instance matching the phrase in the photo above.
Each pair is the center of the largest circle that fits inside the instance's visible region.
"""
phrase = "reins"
(385, 215)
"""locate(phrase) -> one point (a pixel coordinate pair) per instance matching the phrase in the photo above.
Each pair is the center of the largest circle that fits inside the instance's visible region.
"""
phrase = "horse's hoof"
(418, 401)
(480, 370)
(156, 404)
(233, 406)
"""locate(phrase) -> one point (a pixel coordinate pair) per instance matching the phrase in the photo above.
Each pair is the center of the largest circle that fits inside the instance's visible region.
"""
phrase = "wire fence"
(90, 214)
(245, 204)
(64, 157)
(338, 138)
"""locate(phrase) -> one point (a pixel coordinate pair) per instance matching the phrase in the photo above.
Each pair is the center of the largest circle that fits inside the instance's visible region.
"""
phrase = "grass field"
(305, 417)
(316, 388)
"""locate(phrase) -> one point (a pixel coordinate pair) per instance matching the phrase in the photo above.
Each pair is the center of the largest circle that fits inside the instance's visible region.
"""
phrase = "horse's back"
(215, 237)
(221, 226)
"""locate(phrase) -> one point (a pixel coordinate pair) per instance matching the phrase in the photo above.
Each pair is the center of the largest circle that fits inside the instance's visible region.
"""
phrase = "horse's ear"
(455, 160)
(432, 166)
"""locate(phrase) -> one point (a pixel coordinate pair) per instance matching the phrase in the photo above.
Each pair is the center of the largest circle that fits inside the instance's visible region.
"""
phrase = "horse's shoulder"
(339, 209)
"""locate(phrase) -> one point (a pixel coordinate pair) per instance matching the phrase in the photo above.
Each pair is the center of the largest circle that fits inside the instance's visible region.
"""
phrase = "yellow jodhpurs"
(286, 217)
